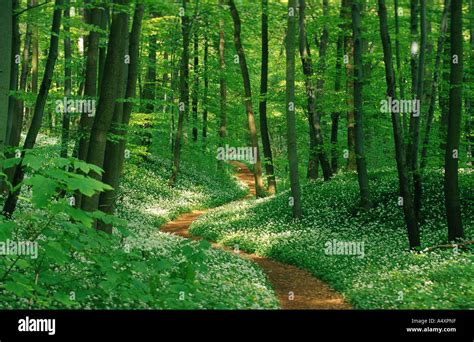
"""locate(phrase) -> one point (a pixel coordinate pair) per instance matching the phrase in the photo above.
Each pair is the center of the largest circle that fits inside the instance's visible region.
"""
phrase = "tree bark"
(451, 186)
(290, 110)
(6, 39)
(414, 139)
(67, 78)
(108, 94)
(195, 92)
(349, 51)
(115, 151)
(206, 87)
(267, 150)
(222, 87)
(403, 177)
(362, 175)
(91, 80)
(260, 192)
(183, 95)
(337, 88)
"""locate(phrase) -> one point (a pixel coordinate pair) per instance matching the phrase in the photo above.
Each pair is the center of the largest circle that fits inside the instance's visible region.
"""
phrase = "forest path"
(294, 287)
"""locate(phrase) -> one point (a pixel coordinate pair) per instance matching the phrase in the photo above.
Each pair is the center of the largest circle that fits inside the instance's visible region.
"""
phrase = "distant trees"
(37, 119)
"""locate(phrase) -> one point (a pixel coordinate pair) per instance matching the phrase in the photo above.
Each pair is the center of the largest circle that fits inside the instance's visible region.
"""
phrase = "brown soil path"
(294, 287)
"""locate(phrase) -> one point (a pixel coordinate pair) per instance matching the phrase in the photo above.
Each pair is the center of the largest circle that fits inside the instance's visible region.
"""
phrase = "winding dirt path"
(294, 287)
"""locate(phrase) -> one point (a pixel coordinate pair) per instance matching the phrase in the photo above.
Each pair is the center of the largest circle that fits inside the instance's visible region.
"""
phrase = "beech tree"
(451, 159)
(295, 200)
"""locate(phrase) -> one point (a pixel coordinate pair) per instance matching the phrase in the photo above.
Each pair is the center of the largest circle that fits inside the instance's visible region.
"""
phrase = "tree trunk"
(222, 87)
(451, 187)
(260, 192)
(6, 39)
(290, 109)
(91, 79)
(414, 139)
(115, 151)
(404, 180)
(401, 80)
(349, 51)
(67, 78)
(149, 88)
(195, 92)
(206, 88)
(267, 150)
(183, 95)
(17, 123)
(362, 175)
(108, 94)
(415, 49)
(337, 88)
(104, 26)
(10, 203)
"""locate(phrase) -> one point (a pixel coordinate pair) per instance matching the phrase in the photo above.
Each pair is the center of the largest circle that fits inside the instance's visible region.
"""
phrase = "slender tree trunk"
(349, 51)
(248, 99)
(222, 87)
(67, 78)
(206, 88)
(267, 150)
(404, 180)
(443, 93)
(414, 46)
(337, 88)
(401, 80)
(105, 27)
(362, 175)
(313, 92)
(470, 91)
(149, 88)
(10, 203)
(290, 110)
(195, 92)
(91, 80)
(17, 123)
(183, 95)
(108, 94)
(429, 118)
(6, 39)
(451, 186)
(414, 138)
(16, 43)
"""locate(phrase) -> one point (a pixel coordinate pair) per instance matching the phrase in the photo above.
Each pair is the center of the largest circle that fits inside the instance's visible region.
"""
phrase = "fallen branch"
(454, 245)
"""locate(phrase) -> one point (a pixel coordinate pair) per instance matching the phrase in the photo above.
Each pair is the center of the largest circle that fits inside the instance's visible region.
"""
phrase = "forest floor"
(294, 287)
